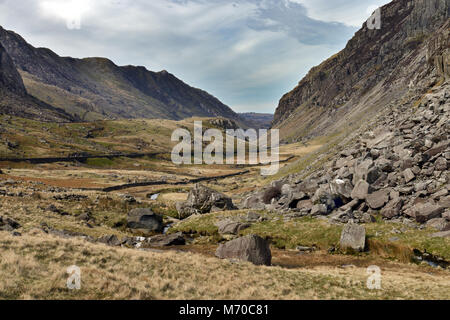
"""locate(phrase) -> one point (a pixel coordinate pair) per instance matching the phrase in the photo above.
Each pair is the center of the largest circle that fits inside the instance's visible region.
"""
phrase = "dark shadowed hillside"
(96, 88)
(14, 99)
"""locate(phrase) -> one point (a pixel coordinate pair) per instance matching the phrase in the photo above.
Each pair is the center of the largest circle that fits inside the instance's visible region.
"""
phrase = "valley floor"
(34, 267)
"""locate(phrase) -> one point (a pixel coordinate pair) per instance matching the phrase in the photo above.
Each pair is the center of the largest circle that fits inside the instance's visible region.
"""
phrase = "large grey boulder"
(378, 199)
(231, 227)
(440, 224)
(393, 208)
(254, 202)
(203, 200)
(342, 187)
(353, 237)
(145, 219)
(251, 248)
(361, 190)
(176, 239)
(427, 211)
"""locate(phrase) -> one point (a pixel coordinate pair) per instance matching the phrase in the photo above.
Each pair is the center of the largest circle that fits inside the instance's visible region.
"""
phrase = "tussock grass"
(34, 267)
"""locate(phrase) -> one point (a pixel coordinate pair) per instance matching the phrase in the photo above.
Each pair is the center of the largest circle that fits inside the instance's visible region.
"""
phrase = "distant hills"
(37, 83)
(257, 120)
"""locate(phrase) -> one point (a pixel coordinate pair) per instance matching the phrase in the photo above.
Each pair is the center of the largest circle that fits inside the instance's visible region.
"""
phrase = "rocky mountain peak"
(375, 68)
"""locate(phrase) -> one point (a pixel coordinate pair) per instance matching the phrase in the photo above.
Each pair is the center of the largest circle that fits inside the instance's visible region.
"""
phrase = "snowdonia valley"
(359, 207)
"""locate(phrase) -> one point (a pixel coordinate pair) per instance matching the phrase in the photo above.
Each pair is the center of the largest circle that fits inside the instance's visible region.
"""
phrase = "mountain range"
(38, 83)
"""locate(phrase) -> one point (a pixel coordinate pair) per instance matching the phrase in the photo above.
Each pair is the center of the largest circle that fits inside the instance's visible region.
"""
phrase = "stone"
(362, 170)
(145, 219)
(110, 240)
(253, 216)
(353, 237)
(392, 209)
(445, 202)
(440, 164)
(409, 175)
(203, 200)
(319, 209)
(253, 202)
(377, 199)
(368, 218)
(305, 204)
(440, 224)
(427, 211)
(251, 248)
(342, 188)
(385, 165)
(176, 239)
(361, 190)
(231, 227)
(442, 234)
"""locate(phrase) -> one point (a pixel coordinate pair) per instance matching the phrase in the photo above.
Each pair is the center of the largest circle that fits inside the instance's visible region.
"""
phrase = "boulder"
(110, 240)
(440, 224)
(305, 204)
(342, 188)
(253, 216)
(440, 164)
(251, 248)
(353, 237)
(442, 234)
(319, 209)
(231, 227)
(360, 191)
(409, 175)
(203, 200)
(427, 211)
(362, 170)
(378, 199)
(176, 239)
(185, 210)
(393, 208)
(145, 219)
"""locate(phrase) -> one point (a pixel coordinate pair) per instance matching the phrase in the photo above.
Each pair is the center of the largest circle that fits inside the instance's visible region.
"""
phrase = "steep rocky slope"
(409, 54)
(14, 99)
(396, 165)
(96, 88)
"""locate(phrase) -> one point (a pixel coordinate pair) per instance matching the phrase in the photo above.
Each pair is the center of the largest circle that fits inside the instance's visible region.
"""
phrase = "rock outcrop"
(203, 200)
(251, 248)
(353, 237)
(145, 220)
(407, 55)
(396, 165)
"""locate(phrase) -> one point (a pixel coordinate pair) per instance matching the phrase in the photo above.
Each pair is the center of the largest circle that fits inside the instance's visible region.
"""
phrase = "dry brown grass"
(34, 267)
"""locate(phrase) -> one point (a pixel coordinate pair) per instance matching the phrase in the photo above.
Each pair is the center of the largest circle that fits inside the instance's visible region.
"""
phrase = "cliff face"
(10, 79)
(378, 67)
(96, 88)
(14, 99)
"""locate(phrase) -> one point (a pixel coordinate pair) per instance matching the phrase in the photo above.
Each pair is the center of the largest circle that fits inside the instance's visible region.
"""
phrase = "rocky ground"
(377, 197)
(397, 168)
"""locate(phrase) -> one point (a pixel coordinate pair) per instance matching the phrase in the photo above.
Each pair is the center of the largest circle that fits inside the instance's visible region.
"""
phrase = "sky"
(247, 53)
